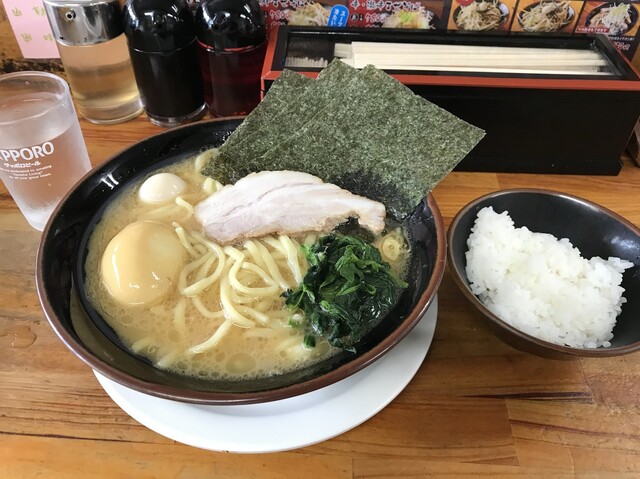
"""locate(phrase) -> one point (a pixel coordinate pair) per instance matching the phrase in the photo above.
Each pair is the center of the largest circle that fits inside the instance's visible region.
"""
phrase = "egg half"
(142, 262)
(161, 188)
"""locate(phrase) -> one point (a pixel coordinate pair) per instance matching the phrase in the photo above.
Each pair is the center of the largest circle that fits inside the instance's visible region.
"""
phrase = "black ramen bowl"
(594, 230)
(59, 272)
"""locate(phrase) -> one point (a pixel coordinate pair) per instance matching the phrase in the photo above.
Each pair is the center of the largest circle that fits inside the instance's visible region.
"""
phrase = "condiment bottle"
(94, 54)
(164, 54)
(232, 44)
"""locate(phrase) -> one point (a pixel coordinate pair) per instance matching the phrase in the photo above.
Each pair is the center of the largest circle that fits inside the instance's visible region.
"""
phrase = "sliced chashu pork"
(284, 202)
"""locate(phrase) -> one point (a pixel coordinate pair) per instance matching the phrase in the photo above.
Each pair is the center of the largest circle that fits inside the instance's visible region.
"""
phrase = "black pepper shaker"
(164, 54)
(232, 42)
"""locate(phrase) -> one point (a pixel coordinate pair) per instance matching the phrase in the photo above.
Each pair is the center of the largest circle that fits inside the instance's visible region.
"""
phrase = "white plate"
(289, 423)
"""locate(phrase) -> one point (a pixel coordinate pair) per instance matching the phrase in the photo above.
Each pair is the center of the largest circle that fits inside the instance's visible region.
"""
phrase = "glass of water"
(42, 151)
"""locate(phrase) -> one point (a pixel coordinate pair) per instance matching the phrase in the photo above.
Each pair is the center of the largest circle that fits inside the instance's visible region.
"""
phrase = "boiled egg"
(161, 188)
(141, 263)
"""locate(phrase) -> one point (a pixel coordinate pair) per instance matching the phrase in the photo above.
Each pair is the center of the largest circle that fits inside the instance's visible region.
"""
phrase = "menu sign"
(537, 16)
(333, 13)
(417, 14)
(617, 20)
(481, 16)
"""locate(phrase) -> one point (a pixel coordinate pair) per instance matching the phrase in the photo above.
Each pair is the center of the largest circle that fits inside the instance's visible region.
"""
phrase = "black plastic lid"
(224, 24)
(158, 25)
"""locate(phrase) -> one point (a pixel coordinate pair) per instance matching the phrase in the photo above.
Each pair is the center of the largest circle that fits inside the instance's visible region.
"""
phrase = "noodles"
(292, 257)
(261, 292)
(213, 340)
(185, 241)
(272, 267)
(180, 201)
(224, 315)
(480, 16)
(160, 212)
(141, 344)
(204, 283)
(202, 309)
(203, 158)
(211, 186)
(179, 318)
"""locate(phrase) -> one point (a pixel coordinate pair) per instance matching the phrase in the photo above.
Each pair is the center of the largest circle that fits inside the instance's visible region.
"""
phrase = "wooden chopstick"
(361, 60)
(381, 47)
(473, 58)
(525, 71)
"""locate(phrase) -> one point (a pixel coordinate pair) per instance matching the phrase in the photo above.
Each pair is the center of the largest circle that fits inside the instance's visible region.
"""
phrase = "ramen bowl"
(593, 229)
(60, 270)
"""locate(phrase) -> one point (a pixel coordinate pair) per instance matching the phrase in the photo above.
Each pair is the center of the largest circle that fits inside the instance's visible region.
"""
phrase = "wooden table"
(476, 407)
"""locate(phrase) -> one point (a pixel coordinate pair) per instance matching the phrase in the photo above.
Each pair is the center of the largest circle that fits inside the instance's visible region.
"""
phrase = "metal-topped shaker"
(90, 38)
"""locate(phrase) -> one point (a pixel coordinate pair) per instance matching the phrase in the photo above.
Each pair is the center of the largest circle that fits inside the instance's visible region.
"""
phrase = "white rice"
(542, 285)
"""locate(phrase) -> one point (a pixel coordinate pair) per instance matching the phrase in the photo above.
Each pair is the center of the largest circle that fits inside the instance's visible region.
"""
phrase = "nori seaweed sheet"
(373, 136)
(285, 89)
(285, 115)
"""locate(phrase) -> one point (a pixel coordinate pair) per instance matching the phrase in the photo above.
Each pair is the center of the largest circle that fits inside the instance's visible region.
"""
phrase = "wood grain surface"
(476, 407)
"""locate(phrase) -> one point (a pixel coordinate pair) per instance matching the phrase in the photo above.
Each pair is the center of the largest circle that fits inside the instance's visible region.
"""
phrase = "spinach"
(346, 290)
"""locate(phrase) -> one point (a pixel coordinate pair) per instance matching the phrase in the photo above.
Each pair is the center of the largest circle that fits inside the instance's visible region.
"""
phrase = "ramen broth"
(167, 331)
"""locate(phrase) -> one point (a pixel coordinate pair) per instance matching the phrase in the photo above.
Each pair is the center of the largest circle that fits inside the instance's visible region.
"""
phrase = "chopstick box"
(570, 17)
(540, 121)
